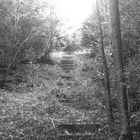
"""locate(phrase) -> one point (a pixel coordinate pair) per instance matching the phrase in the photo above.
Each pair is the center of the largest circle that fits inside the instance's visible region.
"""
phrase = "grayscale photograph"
(69, 69)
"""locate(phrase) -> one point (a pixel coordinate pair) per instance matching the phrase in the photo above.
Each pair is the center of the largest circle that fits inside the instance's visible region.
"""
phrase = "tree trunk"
(117, 47)
(106, 74)
(2, 82)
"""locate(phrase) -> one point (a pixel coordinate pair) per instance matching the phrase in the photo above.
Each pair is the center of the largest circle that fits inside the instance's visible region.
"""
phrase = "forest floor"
(36, 112)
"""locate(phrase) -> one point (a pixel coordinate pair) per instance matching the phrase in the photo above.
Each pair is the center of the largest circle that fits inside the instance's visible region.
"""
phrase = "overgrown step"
(77, 128)
(68, 65)
(67, 77)
(75, 137)
(77, 131)
(59, 137)
(69, 83)
(65, 132)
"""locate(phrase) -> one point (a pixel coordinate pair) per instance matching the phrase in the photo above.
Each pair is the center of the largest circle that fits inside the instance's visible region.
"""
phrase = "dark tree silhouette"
(121, 87)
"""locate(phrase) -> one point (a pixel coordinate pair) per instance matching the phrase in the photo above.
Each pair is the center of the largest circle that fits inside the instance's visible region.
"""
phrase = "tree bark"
(105, 68)
(118, 55)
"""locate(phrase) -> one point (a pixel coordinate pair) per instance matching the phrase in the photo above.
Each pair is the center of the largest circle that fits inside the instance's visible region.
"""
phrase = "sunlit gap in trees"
(73, 12)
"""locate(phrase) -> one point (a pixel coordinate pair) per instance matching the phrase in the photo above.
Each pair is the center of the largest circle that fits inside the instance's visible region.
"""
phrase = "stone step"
(66, 61)
(58, 137)
(78, 128)
(68, 67)
(76, 137)
(66, 64)
(66, 77)
(67, 71)
(68, 57)
(69, 84)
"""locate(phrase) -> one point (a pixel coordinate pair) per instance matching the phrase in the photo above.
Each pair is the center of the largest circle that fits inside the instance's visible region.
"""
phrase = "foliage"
(37, 96)
(25, 33)
(129, 12)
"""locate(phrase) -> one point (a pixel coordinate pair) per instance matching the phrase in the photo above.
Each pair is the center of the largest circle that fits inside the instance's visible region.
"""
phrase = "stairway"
(68, 66)
(67, 63)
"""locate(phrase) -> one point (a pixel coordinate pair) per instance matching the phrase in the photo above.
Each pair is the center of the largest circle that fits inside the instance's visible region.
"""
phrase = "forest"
(56, 86)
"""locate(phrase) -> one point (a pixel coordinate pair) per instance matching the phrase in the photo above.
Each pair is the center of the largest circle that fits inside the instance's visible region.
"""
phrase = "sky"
(73, 12)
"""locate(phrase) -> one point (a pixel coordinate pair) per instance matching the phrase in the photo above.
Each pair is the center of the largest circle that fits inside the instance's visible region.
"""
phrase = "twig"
(52, 122)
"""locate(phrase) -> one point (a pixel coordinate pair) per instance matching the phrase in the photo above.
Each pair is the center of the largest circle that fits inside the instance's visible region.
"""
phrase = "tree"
(105, 68)
(25, 31)
(117, 47)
